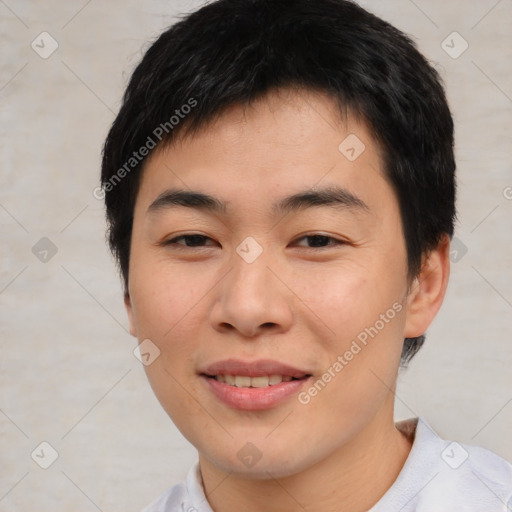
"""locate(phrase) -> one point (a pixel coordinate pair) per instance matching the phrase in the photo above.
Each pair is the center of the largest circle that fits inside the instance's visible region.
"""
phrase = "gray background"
(68, 375)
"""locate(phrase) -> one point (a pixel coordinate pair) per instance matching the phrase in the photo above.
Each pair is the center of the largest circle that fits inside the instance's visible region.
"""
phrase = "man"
(280, 191)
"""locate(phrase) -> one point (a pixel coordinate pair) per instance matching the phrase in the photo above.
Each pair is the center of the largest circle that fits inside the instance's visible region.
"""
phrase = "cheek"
(363, 354)
(351, 297)
(363, 310)
(167, 310)
(163, 296)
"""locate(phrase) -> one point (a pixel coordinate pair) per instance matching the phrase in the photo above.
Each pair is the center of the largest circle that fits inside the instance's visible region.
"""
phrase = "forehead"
(287, 141)
(282, 117)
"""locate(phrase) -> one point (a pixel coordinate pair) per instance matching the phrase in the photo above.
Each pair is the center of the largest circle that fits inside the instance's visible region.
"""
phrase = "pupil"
(318, 240)
(193, 240)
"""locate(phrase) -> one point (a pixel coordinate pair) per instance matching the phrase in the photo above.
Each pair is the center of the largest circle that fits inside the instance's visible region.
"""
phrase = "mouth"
(256, 385)
(244, 381)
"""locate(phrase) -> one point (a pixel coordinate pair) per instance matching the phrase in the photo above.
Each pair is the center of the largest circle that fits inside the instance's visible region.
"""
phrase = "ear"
(428, 290)
(129, 311)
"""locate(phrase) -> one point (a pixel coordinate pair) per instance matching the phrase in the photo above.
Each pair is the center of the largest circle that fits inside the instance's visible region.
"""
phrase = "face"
(268, 266)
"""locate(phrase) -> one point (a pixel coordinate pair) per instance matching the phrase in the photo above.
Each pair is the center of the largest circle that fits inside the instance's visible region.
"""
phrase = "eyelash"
(334, 242)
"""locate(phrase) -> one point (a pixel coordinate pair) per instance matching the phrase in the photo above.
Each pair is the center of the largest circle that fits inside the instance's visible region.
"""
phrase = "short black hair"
(233, 52)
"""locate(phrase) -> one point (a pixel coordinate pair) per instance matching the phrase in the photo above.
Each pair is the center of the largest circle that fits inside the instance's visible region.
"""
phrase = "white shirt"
(438, 476)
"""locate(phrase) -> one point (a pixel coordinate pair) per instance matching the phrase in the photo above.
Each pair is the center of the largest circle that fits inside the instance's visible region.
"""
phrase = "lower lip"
(254, 399)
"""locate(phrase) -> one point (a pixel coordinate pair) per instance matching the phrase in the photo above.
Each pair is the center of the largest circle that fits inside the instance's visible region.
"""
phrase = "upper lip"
(258, 368)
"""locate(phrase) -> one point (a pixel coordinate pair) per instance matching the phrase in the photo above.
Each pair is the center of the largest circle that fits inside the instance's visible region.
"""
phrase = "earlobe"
(428, 290)
(129, 311)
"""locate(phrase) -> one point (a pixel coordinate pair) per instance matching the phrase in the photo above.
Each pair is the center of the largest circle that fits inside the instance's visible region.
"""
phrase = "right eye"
(191, 240)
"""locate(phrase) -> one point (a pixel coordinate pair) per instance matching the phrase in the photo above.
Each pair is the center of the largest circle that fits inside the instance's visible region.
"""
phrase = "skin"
(295, 303)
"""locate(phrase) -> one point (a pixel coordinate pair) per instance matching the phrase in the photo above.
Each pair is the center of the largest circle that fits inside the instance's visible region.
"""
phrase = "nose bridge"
(250, 279)
(250, 297)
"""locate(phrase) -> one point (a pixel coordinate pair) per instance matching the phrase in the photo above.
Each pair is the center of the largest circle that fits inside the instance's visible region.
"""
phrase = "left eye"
(317, 241)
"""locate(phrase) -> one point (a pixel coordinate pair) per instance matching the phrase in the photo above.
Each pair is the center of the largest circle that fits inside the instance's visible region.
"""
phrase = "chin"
(263, 462)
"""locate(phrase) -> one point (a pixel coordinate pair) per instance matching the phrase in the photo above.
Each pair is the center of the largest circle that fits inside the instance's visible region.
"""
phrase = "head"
(279, 185)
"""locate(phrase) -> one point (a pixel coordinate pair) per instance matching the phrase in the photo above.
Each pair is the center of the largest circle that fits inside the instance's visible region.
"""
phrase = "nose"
(252, 301)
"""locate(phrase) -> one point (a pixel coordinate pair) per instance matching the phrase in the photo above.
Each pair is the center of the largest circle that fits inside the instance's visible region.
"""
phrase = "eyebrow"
(334, 196)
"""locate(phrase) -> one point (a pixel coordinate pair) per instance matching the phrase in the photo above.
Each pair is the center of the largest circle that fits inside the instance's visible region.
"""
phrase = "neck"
(353, 478)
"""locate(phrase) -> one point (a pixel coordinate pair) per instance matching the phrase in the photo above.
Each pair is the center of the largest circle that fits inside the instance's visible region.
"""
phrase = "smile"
(243, 381)
(253, 385)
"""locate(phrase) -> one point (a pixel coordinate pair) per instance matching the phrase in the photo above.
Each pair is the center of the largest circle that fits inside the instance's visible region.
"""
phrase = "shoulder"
(462, 463)
(470, 478)
(490, 469)
(169, 501)
(466, 477)
(186, 496)
(445, 475)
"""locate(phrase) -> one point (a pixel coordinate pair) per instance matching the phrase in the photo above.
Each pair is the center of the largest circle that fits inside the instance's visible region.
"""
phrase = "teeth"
(275, 379)
(259, 382)
(243, 381)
